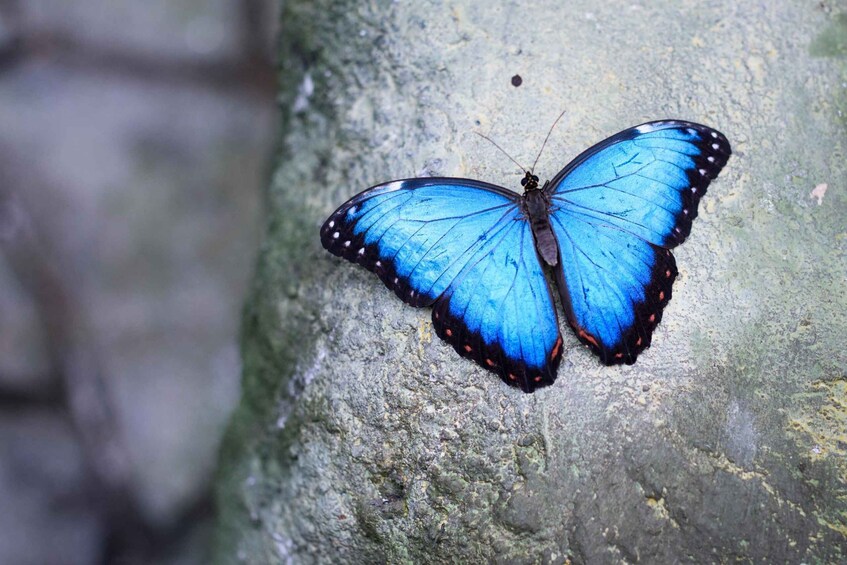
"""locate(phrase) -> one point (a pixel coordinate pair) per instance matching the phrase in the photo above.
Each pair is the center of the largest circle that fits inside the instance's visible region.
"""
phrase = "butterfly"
(604, 226)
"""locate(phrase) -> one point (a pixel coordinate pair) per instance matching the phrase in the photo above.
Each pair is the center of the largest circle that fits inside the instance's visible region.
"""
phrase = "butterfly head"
(529, 181)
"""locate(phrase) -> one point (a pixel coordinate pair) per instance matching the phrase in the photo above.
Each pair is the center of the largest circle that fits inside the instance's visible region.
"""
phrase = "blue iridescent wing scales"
(616, 211)
(465, 248)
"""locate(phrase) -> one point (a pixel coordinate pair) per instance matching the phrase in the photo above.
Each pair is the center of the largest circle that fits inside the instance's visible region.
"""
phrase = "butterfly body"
(537, 207)
(477, 253)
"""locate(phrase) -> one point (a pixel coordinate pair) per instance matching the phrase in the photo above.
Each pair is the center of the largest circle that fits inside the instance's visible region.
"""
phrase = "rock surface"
(361, 437)
(49, 514)
(134, 139)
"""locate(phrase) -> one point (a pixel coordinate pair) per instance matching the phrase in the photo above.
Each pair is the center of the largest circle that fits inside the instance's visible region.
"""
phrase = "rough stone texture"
(361, 437)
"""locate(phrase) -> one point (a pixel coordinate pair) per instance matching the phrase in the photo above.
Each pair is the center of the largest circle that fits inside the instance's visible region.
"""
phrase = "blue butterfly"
(477, 253)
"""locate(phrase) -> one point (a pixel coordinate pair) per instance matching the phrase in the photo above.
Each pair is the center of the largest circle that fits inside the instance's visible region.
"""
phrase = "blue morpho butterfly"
(477, 253)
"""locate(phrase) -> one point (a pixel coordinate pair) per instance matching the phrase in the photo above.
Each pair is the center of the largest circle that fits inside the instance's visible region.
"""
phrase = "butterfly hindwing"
(617, 210)
(614, 286)
(499, 311)
(466, 248)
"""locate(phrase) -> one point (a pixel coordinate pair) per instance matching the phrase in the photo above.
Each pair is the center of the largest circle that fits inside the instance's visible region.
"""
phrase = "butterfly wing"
(465, 248)
(617, 210)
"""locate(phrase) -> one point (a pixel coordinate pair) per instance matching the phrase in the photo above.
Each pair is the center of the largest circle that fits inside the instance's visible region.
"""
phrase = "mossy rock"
(361, 437)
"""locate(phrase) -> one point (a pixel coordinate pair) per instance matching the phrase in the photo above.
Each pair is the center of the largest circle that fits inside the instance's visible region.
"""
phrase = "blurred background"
(135, 139)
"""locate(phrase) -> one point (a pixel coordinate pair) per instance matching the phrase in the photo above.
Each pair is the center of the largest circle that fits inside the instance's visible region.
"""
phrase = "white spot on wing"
(645, 128)
(331, 224)
(392, 186)
(335, 235)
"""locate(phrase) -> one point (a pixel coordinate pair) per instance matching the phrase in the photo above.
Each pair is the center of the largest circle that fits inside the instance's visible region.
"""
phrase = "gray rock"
(144, 194)
(133, 140)
(361, 437)
(48, 513)
(192, 29)
(24, 368)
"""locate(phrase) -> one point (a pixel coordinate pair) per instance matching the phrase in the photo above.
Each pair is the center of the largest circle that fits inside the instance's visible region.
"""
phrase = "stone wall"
(134, 139)
(361, 437)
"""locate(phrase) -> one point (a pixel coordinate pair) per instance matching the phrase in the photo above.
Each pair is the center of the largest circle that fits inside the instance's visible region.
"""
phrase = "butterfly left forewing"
(402, 230)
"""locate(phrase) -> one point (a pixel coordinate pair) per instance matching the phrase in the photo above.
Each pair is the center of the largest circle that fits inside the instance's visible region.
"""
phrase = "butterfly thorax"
(536, 205)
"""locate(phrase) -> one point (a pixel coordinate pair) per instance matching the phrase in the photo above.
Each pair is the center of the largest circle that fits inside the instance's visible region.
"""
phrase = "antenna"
(523, 169)
(532, 170)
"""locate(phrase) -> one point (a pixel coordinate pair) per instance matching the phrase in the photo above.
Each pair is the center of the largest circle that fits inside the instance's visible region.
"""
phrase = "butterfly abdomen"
(537, 206)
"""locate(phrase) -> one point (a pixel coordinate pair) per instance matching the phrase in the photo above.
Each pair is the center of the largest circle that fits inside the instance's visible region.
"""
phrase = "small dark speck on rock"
(432, 168)
(526, 440)
(517, 80)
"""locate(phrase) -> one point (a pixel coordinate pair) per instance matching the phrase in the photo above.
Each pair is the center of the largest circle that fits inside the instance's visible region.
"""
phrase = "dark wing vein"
(463, 269)
(446, 233)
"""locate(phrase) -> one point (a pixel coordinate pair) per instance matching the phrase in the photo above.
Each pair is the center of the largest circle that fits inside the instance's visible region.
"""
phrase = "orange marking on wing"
(618, 355)
(489, 362)
(637, 343)
(468, 348)
(588, 337)
(449, 332)
(668, 273)
(513, 377)
(661, 295)
(556, 348)
(652, 317)
(537, 379)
